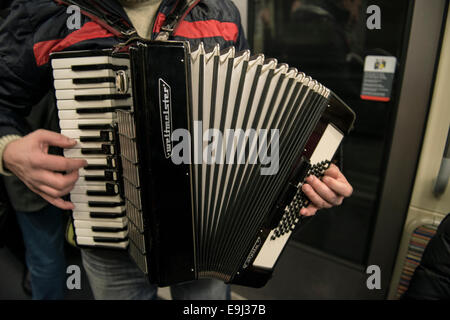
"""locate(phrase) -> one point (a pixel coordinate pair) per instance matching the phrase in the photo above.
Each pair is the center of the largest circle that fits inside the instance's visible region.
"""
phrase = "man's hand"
(326, 193)
(28, 159)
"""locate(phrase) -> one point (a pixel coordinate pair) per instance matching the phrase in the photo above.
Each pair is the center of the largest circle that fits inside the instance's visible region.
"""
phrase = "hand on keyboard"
(29, 160)
(325, 193)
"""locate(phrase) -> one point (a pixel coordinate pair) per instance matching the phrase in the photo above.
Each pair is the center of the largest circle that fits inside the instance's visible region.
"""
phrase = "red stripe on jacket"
(89, 31)
(201, 29)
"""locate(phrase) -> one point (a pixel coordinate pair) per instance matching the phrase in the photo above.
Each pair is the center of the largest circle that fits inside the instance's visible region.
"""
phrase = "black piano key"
(108, 229)
(104, 204)
(100, 66)
(97, 97)
(109, 175)
(94, 126)
(94, 80)
(110, 240)
(101, 110)
(106, 215)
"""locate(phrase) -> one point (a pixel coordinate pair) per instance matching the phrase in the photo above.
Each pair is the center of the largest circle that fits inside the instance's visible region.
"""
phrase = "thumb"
(54, 139)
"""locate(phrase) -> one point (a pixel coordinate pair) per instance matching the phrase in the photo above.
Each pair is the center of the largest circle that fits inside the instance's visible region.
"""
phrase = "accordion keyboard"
(279, 236)
(87, 96)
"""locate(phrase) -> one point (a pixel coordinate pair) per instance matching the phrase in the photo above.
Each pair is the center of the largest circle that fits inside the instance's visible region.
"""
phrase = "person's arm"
(22, 84)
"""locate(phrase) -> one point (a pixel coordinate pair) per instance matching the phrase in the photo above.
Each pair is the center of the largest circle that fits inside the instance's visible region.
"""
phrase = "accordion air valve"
(201, 154)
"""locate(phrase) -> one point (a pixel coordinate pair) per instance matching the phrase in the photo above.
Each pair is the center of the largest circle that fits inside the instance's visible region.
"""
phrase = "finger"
(54, 139)
(340, 187)
(54, 193)
(56, 201)
(324, 191)
(309, 211)
(59, 203)
(58, 163)
(334, 172)
(57, 181)
(316, 200)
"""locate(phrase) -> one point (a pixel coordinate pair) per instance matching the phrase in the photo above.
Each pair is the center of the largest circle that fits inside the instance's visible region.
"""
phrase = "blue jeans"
(114, 276)
(43, 235)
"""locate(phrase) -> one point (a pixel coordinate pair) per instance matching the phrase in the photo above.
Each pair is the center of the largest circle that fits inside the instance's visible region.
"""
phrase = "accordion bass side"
(212, 148)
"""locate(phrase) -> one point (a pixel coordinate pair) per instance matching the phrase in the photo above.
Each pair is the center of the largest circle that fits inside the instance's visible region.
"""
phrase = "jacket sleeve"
(241, 41)
(213, 22)
(22, 82)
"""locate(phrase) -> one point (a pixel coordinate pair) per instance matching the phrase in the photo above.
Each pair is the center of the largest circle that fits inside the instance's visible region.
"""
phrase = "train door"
(380, 57)
(430, 201)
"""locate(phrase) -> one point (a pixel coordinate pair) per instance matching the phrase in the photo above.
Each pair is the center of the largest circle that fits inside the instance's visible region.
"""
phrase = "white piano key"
(74, 124)
(86, 207)
(64, 63)
(87, 224)
(96, 145)
(84, 173)
(70, 94)
(69, 84)
(96, 161)
(77, 134)
(74, 104)
(70, 74)
(83, 198)
(74, 115)
(89, 241)
(89, 233)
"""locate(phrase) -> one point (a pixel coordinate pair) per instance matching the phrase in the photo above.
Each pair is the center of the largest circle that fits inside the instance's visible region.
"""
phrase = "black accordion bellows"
(213, 152)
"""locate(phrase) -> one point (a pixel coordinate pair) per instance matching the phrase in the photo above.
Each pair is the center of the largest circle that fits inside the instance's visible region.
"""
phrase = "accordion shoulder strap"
(120, 27)
(182, 8)
(96, 11)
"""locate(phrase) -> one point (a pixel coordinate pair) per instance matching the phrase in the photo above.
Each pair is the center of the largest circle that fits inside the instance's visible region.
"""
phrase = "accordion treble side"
(210, 155)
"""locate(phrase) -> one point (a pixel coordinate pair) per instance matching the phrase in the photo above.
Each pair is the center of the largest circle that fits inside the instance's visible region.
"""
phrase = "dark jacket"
(34, 29)
(431, 280)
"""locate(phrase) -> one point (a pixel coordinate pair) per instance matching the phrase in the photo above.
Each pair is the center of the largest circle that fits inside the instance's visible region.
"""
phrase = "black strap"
(175, 17)
(120, 27)
(107, 19)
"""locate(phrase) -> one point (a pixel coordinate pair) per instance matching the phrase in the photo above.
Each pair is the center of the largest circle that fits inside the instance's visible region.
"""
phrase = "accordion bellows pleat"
(209, 150)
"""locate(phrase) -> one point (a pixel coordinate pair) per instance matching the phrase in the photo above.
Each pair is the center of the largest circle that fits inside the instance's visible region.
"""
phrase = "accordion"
(196, 158)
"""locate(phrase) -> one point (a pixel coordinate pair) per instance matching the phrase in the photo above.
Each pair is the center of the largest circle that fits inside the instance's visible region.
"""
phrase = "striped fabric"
(417, 244)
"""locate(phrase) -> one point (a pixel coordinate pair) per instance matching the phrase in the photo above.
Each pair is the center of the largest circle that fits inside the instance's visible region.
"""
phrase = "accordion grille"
(132, 190)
